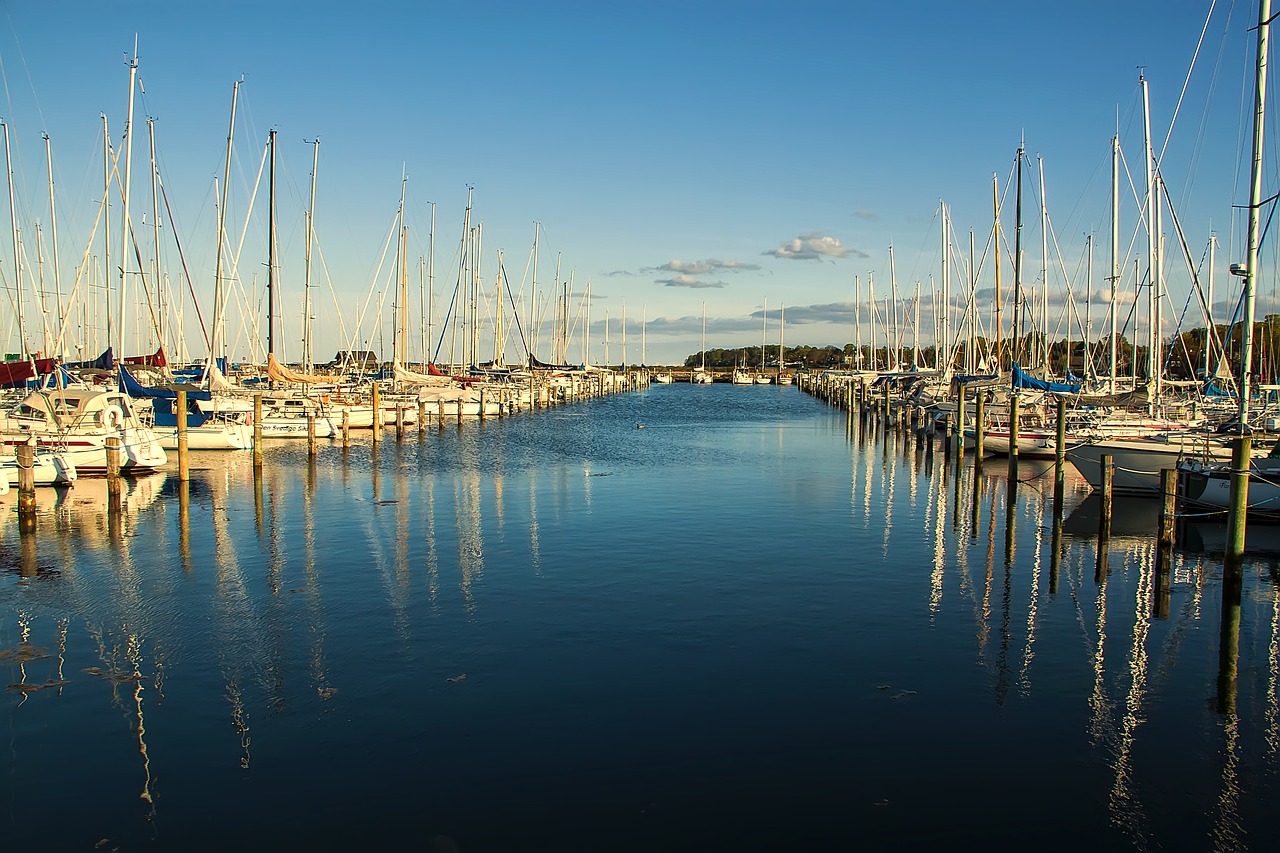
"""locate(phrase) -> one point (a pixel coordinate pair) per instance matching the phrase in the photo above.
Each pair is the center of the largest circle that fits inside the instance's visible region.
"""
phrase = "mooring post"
(482, 405)
(979, 424)
(399, 422)
(440, 413)
(113, 472)
(1108, 467)
(184, 471)
(377, 413)
(257, 430)
(1013, 436)
(1168, 505)
(346, 427)
(422, 417)
(26, 457)
(311, 434)
(1060, 458)
(1241, 450)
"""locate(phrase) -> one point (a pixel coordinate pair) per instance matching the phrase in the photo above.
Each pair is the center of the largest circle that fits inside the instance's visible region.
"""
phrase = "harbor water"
(689, 618)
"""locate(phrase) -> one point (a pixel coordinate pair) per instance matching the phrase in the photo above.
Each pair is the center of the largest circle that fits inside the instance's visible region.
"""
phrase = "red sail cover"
(157, 360)
(15, 372)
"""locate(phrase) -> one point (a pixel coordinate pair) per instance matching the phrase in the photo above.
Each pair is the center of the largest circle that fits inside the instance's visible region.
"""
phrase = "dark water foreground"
(735, 628)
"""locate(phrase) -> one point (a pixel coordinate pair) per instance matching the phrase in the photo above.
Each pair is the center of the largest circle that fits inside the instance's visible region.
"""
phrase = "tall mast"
(857, 326)
(946, 286)
(1044, 267)
(893, 335)
(307, 355)
(398, 340)
(1088, 314)
(1017, 265)
(218, 307)
(271, 245)
(128, 172)
(431, 282)
(764, 330)
(624, 335)
(106, 225)
(1148, 157)
(17, 253)
(53, 222)
(782, 325)
(1209, 327)
(1255, 210)
(1115, 250)
(871, 306)
(155, 229)
(995, 210)
(533, 298)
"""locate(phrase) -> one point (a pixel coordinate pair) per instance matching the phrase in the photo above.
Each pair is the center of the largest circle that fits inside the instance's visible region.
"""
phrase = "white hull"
(50, 469)
(209, 436)
(1138, 462)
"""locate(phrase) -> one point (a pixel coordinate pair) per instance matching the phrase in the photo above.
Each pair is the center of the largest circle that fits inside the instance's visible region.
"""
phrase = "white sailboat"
(763, 378)
(701, 377)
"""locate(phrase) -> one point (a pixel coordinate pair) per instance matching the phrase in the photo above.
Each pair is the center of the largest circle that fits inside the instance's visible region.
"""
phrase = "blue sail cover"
(134, 388)
(1212, 390)
(1022, 380)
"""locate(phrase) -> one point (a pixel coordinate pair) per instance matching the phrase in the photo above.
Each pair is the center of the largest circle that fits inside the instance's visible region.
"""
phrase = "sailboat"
(701, 377)
(1210, 483)
(783, 378)
(763, 378)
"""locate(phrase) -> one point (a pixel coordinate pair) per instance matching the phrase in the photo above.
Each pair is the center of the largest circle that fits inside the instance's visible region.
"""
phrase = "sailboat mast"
(398, 341)
(128, 172)
(431, 285)
(1115, 251)
(946, 285)
(857, 326)
(308, 356)
(271, 245)
(17, 253)
(764, 330)
(1044, 267)
(1255, 211)
(871, 306)
(1209, 327)
(1152, 357)
(995, 211)
(155, 229)
(53, 222)
(218, 307)
(106, 223)
(893, 335)
(1017, 265)
(782, 323)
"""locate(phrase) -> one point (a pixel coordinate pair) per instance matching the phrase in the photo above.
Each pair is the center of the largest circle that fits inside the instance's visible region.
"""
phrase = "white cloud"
(703, 267)
(812, 247)
(689, 282)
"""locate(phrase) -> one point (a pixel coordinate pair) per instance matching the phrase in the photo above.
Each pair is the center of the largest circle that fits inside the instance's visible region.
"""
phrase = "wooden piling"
(257, 430)
(26, 457)
(184, 469)
(1013, 436)
(979, 424)
(1168, 505)
(482, 405)
(377, 413)
(399, 422)
(311, 434)
(1108, 464)
(113, 472)
(440, 413)
(346, 428)
(1060, 457)
(1241, 450)
(422, 417)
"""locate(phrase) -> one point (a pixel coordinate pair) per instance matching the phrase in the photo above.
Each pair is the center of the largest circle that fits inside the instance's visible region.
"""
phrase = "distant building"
(362, 359)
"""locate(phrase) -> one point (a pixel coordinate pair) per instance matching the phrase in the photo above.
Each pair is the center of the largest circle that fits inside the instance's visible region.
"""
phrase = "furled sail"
(408, 377)
(277, 372)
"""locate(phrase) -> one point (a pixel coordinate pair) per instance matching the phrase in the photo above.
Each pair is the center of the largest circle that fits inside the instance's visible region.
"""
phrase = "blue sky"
(675, 153)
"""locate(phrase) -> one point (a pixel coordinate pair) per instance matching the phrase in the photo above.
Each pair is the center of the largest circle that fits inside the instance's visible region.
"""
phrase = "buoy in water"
(639, 426)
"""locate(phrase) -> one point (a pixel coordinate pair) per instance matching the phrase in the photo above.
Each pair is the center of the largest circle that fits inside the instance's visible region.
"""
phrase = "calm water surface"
(733, 628)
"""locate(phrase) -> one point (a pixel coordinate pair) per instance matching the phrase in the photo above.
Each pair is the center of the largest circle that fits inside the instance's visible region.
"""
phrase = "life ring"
(111, 416)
